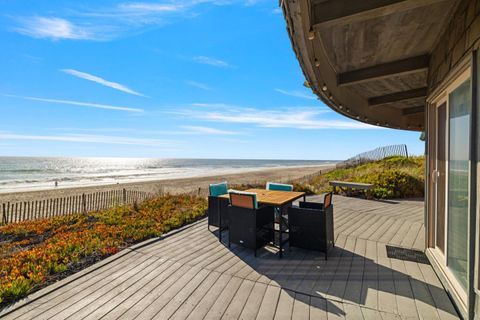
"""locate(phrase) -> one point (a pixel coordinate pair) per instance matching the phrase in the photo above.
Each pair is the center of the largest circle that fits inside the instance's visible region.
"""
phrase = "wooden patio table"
(278, 199)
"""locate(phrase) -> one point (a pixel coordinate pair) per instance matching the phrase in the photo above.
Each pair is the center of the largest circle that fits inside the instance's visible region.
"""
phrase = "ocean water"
(37, 173)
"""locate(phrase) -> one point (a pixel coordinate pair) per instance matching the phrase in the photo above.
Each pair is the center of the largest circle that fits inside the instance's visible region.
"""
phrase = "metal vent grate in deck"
(407, 254)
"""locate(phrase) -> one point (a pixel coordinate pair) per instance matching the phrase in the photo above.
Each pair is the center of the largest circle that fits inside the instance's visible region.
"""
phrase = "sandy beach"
(174, 186)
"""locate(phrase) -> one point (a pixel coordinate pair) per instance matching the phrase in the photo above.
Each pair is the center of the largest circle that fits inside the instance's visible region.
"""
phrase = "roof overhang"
(369, 59)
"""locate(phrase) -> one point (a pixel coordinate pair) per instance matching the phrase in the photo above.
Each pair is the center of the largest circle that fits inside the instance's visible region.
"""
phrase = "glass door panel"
(458, 177)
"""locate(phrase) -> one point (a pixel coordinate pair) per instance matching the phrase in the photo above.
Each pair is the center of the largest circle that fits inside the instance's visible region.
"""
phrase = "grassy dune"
(393, 177)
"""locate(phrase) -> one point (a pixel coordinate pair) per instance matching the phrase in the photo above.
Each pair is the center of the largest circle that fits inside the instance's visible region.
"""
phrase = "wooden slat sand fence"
(376, 154)
(307, 177)
(12, 212)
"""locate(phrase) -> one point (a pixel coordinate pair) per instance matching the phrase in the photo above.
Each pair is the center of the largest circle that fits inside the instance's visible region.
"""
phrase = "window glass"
(458, 181)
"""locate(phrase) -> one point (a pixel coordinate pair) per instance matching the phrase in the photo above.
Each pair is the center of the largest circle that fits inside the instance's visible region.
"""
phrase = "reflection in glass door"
(459, 108)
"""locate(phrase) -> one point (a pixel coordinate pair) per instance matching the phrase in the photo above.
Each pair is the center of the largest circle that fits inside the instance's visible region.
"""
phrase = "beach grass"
(36, 253)
(392, 177)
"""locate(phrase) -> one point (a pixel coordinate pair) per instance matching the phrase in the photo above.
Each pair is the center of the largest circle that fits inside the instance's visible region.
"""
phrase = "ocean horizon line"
(37, 173)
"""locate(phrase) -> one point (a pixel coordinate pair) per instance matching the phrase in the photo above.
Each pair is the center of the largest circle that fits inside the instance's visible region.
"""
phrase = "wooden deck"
(190, 275)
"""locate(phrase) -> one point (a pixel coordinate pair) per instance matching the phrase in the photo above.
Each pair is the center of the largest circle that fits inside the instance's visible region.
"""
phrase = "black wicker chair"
(249, 226)
(311, 225)
(218, 208)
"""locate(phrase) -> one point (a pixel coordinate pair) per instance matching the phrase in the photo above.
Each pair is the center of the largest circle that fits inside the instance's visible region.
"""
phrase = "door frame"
(443, 99)
(441, 258)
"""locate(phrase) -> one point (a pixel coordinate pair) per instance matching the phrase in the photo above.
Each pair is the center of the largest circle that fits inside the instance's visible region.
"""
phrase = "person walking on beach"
(56, 183)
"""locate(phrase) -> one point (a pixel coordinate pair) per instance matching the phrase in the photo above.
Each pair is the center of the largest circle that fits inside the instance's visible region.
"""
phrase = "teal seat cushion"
(279, 186)
(217, 189)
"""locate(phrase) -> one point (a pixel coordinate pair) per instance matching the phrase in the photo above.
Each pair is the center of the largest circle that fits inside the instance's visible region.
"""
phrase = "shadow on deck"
(191, 275)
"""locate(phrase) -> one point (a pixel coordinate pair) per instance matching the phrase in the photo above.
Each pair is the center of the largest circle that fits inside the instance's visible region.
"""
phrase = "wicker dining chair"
(280, 213)
(311, 225)
(249, 225)
(218, 207)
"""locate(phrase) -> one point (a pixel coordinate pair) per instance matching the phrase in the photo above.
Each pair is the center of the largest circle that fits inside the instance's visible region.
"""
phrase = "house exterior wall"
(452, 53)
(459, 39)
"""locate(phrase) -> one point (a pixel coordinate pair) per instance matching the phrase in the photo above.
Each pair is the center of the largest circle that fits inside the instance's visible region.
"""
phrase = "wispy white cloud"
(110, 130)
(207, 130)
(183, 130)
(293, 117)
(103, 82)
(211, 105)
(144, 8)
(199, 85)
(296, 93)
(102, 22)
(86, 138)
(77, 103)
(249, 3)
(211, 61)
(53, 28)
(277, 11)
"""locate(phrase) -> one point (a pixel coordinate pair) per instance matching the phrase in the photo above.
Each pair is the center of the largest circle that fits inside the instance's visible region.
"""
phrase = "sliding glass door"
(459, 111)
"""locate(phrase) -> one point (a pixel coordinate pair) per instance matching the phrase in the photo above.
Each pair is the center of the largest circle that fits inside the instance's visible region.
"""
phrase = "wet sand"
(174, 186)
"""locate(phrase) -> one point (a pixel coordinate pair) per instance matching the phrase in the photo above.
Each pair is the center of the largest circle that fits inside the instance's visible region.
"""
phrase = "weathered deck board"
(423, 299)
(186, 308)
(35, 309)
(438, 294)
(106, 294)
(191, 275)
(252, 305)
(369, 294)
(235, 308)
(403, 290)
(301, 307)
(386, 288)
(211, 296)
(285, 305)
(161, 275)
(355, 276)
(318, 308)
(269, 303)
(224, 299)
(171, 307)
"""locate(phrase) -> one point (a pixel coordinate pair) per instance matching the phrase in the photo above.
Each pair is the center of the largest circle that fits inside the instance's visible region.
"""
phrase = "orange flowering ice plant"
(35, 253)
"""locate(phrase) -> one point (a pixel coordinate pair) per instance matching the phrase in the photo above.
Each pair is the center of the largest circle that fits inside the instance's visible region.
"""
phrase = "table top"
(273, 197)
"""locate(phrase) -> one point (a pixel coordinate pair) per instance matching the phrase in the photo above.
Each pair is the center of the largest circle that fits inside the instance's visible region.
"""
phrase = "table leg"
(280, 235)
(278, 211)
(282, 223)
(219, 221)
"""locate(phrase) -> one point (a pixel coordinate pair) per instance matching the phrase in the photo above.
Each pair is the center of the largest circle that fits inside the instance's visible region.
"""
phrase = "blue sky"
(192, 78)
